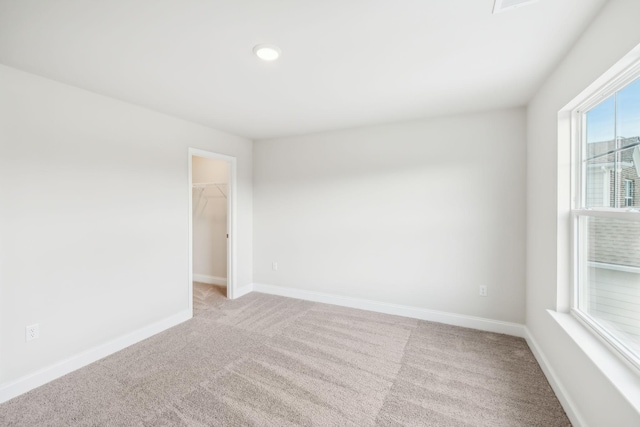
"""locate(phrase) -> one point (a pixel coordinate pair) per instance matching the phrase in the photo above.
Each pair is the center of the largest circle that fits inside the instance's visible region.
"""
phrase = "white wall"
(94, 218)
(596, 400)
(210, 220)
(418, 213)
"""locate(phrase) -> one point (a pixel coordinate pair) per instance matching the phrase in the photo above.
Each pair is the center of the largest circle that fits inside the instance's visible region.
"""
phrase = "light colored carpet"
(264, 360)
(207, 296)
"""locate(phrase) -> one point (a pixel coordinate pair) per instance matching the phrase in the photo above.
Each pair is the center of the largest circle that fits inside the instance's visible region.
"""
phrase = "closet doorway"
(211, 225)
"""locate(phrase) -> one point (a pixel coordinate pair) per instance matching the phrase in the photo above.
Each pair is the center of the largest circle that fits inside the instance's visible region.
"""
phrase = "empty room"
(320, 213)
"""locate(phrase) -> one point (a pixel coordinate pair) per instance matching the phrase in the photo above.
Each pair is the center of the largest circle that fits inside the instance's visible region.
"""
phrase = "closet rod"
(207, 184)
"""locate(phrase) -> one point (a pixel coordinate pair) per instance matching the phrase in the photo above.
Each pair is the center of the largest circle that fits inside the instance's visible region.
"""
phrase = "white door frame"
(231, 220)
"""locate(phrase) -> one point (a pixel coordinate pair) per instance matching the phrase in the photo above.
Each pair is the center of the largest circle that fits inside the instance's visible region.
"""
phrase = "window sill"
(624, 377)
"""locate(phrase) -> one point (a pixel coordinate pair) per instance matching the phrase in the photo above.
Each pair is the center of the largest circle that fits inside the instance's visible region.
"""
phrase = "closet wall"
(210, 189)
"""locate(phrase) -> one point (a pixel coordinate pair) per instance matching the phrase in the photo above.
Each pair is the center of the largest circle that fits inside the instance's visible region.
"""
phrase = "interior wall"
(613, 33)
(419, 213)
(210, 219)
(94, 218)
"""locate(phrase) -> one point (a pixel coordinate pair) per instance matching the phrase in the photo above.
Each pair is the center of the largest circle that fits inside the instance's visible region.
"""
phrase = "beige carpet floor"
(264, 360)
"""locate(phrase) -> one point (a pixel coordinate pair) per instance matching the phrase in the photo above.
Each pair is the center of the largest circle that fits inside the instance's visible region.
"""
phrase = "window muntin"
(607, 285)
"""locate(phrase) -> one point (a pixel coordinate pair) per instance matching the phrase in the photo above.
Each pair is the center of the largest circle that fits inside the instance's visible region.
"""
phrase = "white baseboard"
(243, 290)
(561, 393)
(210, 280)
(480, 323)
(36, 379)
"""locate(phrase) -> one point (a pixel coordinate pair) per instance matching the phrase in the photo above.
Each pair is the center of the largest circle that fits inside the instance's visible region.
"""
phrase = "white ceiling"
(344, 63)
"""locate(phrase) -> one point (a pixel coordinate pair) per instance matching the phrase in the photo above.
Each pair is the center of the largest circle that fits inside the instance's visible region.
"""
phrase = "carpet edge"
(480, 323)
(42, 376)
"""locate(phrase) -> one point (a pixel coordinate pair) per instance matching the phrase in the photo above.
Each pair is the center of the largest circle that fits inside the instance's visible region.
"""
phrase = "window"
(606, 214)
(628, 192)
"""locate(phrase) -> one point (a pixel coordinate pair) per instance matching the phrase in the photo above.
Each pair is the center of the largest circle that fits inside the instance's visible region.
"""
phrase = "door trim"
(231, 220)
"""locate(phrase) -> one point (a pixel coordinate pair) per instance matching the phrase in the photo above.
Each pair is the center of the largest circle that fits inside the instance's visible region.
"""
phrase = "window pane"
(601, 122)
(599, 181)
(627, 180)
(609, 279)
(599, 153)
(628, 136)
(628, 111)
(611, 151)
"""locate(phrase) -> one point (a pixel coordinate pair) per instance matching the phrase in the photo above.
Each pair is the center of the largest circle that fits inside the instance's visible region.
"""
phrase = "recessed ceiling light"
(505, 5)
(267, 52)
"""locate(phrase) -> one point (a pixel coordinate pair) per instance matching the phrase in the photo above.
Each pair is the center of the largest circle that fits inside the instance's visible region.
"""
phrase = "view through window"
(607, 214)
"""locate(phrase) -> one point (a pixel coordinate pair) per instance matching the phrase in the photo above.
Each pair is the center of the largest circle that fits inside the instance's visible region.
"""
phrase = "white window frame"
(578, 129)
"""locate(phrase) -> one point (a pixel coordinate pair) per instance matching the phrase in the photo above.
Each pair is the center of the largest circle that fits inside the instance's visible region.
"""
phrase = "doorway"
(211, 224)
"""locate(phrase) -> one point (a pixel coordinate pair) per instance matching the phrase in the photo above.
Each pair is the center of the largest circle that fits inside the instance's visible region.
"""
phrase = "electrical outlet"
(483, 291)
(274, 266)
(32, 332)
